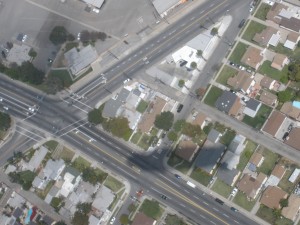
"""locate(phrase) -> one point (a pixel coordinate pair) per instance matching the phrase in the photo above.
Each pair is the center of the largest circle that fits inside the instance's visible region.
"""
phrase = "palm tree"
(200, 54)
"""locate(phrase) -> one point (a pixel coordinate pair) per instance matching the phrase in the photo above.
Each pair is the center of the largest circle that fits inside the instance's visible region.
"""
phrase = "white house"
(71, 180)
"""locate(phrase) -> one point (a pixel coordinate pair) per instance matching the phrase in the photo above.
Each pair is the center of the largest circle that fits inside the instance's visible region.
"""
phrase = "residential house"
(293, 138)
(268, 83)
(112, 106)
(209, 155)
(47, 220)
(252, 107)
(36, 159)
(186, 150)
(276, 175)
(154, 109)
(229, 103)
(255, 161)
(279, 61)
(291, 111)
(292, 41)
(292, 210)
(273, 13)
(294, 176)
(214, 136)
(93, 220)
(252, 57)
(95, 3)
(141, 218)
(273, 123)
(227, 171)
(268, 36)
(52, 171)
(251, 186)
(103, 199)
(268, 98)
(54, 192)
(241, 82)
(71, 180)
(200, 119)
(79, 61)
(292, 24)
(272, 196)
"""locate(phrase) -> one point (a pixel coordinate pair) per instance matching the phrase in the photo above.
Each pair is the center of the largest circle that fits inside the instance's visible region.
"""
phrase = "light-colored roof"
(264, 37)
(37, 158)
(279, 61)
(268, 98)
(288, 109)
(96, 3)
(199, 119)
(267, 82)
(272, 196)
(162, 6)
(274, 123)
(293, 139)
(237, 144)
(186, 149)
(274, 11)
(53, 168)
(242, 81)
(292, 209)
(256, 158)
(201, 41)
(278, 171)
(252, 57)
(103, 199)
(294, 175)
(93, 220)
(79, 60)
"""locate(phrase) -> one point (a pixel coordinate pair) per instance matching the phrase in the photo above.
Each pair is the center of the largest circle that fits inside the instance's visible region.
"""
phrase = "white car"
(78, 36)
(125, 81)
(96, 10)
(24, 37)
(234, 191)
(112, 220)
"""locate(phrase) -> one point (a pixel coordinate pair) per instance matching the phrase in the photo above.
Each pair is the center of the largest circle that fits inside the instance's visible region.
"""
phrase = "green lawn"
(113, 184)
(136, 137)
(154, 131)
(267, 70)
(51, 145)
(228, 137)
(63, 75)
(80, 163)
(252, 29)
(267, 214)
(66, 154)
(221, 188)
(262, 12)
(212, 96)
(285, 184)
(241, 200)
(246, 155)
(151, 209)
(71, 45)
(270, 158)
(258, 121)
(142, 106)
(174, 220)
(238, 53)
(225, 74)
(201, 176)
(179, 163)
(146, 141)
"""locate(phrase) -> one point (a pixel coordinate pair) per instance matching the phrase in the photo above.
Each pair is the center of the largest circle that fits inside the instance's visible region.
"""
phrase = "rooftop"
(37, 158)
(291, 211)
(256, 158)
(96, 3)
(273, 123)
(267, 82)
(279, 61)
(253, 104)
(186, 149)
(214, 135)
(226, 101)
(242, 81)
(264, 37)
(268, 98)
(103, 199)
(142, 219)
(201, 41)
(290, 24)
(272, 196)
(252, 57)
(250, 186)
(226, 175)
(293, 139)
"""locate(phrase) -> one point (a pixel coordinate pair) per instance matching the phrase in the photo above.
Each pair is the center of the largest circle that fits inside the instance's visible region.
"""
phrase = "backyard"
(252, 29)
(246, 154)
(225, 74)
(179, 163)
(201, 176)
(221, 188)
(238, 53)
(270, 159)
(241, 200)
(258, 121)
(268, 215)
(263, 11)
(266, 69)
(212, 96)
(66, 154)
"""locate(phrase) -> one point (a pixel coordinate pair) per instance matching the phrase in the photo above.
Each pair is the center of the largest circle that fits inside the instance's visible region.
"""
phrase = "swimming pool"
(27, 220)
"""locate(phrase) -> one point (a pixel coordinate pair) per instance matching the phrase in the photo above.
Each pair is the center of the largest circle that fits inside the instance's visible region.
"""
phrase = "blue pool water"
(296, 104)
(27, 220)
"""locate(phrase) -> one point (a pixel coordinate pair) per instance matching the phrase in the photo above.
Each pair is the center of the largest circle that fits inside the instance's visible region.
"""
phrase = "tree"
(84, 207)
(90, 175)
(191, 130)
(181, 83)
(32, 53)
(285, 96)
(164, 120)
(4, 121)
(80, 219)
(124, 219)
(60, 223)
(294, 71)
(193, 65)
(119, 127)
(9, 45)
(172, 135)
(214, 31)
(85, 36)
(58, 35)
(23, 178)
(53, 84)
(284, 202)
(70, 37)
(95, 116)
(102, 36)
(178, 125)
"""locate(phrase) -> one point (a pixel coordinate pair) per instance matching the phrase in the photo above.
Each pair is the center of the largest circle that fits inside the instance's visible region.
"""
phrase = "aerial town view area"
(150, 112)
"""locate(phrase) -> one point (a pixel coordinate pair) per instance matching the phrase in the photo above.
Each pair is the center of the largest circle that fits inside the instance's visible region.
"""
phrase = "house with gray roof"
(54, 192)
(36, 159)
(18, 213)
(164, 6)
(252, 107)
(209, 155)
(226, 101)
(112, 106)
(214, 136)
(103, 199)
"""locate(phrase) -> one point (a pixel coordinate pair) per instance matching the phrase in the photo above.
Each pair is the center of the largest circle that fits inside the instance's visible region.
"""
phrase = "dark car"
(183, 63)
(290, 127)
(179, 108)
(219, 201)
(231, 63)
(242, 23)
(177, 176)
(164, 197)
(234, 209)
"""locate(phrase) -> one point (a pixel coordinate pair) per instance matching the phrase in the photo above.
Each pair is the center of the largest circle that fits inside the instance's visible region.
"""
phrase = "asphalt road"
(58, 118)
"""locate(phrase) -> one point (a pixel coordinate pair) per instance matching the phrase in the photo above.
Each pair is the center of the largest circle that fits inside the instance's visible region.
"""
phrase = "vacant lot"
(212, 96)
(252, 29)
(258, 121)
(238, 53)
(226, 73)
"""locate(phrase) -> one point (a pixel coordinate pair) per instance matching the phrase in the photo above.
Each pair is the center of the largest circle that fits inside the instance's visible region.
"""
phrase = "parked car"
(234, 191)
(219, 201)
(234, 209)
(164, 197)
(179, 108)
(242, 23)
(177, 176)
(112, 220)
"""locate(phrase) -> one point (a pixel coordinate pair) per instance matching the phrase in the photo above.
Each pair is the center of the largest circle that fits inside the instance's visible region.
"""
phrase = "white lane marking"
(236, 221)
(135, 55)
(152, 45)
(147, 48)
(164, 37)
(201, 11)
(211, 5)
(128, 173)
(192, 18)
(109, 142)
(216, 209)
(186, 191)
(155, 157)
(118, 66)
(195, 197)
(225, 215)
(193, 210)
(170, 181)
(205, 203)
(123, 63)
(202, 216)
(182, 205)
(212, 222)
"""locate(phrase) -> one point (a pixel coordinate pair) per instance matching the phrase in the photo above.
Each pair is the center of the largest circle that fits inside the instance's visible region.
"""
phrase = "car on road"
(219, 201)
(234, 209)
(179, 108)
(96, 10)
(78, 36)
(112, 220)
(5, 107)
(177, 176)
(164, 197)
(234, 191)
(1, 99)
(242, 23)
